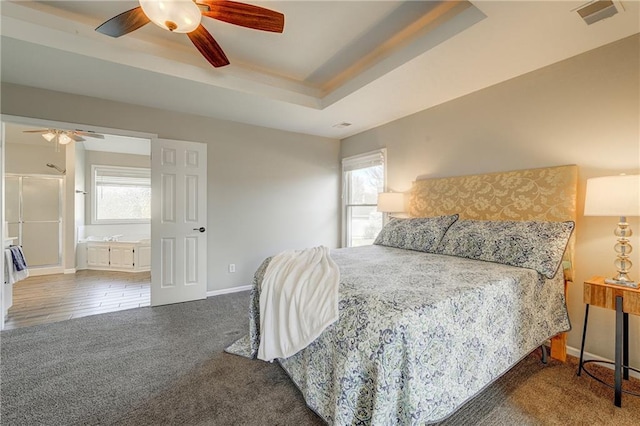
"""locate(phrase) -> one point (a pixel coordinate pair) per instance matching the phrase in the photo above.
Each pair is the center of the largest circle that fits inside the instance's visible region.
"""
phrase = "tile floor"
(50, 298)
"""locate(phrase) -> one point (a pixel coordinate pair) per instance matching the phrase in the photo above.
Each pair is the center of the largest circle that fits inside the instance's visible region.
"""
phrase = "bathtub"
(129, 255)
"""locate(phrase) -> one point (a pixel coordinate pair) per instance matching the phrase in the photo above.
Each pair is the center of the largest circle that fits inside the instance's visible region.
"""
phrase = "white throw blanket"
(298, 300)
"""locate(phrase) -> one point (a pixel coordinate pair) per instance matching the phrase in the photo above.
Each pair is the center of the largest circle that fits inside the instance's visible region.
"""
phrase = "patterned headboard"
(545, 194)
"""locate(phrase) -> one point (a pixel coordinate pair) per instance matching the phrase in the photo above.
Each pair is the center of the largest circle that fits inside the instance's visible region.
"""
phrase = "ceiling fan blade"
(36, 131)
(124, 23)
(245, 15)
(89, 134)
(208, 47)
(74, 137)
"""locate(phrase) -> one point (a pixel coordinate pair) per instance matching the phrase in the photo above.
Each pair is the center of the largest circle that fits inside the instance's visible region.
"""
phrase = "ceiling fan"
(184, 16)
(63, 137)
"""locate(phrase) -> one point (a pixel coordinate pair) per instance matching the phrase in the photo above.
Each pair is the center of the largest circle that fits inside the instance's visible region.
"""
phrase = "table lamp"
(616, 196)
(391, 202)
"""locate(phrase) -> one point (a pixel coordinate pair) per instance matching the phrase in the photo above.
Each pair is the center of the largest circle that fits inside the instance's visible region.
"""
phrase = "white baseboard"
(34, 272)
(50, 271)
(587, 355)
(228, 290)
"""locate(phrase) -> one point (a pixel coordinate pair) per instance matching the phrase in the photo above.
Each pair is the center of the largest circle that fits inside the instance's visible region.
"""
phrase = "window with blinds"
(363, 177)
(121, 194)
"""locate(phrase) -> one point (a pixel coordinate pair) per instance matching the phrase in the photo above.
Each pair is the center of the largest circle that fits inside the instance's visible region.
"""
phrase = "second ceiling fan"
(184, 16)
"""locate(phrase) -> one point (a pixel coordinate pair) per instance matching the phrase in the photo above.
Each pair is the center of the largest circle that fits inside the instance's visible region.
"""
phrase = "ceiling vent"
(342, 125)
(598, 10)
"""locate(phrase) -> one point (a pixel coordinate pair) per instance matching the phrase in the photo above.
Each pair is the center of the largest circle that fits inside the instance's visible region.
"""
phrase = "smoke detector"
(598, 10)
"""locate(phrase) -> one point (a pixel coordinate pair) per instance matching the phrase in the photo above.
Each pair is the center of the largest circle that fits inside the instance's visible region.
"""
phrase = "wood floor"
(51, 298)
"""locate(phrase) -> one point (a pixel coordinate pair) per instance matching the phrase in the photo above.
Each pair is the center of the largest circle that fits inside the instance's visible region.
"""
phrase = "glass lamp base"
(624, 283)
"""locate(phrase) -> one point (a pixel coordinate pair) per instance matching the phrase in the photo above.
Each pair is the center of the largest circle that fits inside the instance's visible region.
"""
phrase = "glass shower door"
(34, 212)
(12, 206)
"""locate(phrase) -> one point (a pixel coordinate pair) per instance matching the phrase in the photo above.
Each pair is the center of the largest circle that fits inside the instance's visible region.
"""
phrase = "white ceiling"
(361, 62)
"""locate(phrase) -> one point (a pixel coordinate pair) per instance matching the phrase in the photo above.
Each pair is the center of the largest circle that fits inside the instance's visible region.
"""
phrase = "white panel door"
(178, 221)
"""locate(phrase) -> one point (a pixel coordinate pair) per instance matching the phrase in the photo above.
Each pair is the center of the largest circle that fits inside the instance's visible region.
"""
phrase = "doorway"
(49, 203)
(179, 178)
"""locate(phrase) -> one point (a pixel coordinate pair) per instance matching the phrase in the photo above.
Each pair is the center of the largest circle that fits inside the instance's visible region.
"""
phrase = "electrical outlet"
(232, 267)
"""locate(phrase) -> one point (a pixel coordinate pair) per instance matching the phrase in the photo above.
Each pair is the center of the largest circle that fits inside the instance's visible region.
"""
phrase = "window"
(121, 194)
(363, 178)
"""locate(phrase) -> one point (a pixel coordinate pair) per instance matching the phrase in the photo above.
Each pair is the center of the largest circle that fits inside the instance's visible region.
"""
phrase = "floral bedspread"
(418, 334)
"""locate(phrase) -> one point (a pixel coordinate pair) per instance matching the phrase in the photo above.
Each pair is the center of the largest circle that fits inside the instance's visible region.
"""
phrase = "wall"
(32, 159)
(584, 111)
(80, 198)
(268, 190)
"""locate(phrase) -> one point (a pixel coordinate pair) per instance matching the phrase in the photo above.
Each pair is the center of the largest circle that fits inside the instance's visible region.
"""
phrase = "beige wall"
(33, 159)
(80, 199)
(268, 190)
(583, 111)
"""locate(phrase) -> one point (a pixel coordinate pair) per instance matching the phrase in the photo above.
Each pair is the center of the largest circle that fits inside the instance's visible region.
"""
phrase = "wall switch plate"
(232, 267)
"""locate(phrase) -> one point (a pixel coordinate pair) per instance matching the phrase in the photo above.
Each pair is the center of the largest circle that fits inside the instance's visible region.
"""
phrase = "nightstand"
(624, 301)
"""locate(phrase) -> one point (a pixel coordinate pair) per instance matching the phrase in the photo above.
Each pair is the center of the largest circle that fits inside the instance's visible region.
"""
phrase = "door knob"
(201, 229)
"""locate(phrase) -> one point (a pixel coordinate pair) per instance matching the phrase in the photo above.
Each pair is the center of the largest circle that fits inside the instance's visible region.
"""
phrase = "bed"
(420, 332)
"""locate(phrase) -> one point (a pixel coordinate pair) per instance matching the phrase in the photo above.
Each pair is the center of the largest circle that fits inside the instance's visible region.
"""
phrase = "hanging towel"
(18, 258)
(11, 273)
(298, 300)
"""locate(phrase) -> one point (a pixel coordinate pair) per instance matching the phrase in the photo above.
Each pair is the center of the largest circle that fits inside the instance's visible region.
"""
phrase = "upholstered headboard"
(545, 194)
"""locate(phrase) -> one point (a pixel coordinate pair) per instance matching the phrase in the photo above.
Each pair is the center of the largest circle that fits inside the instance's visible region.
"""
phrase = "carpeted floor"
(166, 366)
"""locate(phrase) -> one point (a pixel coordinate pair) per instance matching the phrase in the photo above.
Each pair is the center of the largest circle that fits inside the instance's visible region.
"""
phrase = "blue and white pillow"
(421, 233)
(528, 244)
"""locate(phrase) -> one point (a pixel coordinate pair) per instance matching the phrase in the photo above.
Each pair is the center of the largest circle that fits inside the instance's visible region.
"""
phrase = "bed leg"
(559, 342)
(545, 356)
(559, 347)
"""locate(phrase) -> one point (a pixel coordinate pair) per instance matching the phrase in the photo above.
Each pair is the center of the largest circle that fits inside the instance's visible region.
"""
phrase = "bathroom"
(62, 200)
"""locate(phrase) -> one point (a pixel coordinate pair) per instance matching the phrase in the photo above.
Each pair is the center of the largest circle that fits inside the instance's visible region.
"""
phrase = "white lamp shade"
(180, 16)
(49, 136)
(613, 196)
(391, 202)
(63, 139)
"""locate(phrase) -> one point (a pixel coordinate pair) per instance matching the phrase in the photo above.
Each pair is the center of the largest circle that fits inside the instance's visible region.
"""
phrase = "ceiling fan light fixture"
(178, 16)
(49, 136)
(64, 139)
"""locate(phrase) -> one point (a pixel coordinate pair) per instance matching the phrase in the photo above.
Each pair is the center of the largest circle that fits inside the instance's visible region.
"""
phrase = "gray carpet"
(144, 366)
(166, 366)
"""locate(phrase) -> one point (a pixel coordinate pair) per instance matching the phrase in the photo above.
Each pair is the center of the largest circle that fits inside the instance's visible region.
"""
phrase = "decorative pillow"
(420, 233)
(534, 245)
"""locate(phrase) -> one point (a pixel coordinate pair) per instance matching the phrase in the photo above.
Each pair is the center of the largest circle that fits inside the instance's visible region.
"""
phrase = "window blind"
(370, 159)
(122, 176)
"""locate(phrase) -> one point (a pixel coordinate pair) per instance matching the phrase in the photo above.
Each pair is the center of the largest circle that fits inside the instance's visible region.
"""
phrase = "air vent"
(598, 10)
(342, 125)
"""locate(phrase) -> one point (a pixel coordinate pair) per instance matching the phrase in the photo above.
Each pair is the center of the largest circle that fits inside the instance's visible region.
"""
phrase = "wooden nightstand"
(624, 301)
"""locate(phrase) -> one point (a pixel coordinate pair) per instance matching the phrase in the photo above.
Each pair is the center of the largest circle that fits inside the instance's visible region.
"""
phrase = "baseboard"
(34, 272)
(587, 355)
(228, 290)
(70, 271)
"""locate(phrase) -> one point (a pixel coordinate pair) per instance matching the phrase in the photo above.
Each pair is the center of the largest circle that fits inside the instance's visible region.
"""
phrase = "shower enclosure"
(33, 210)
